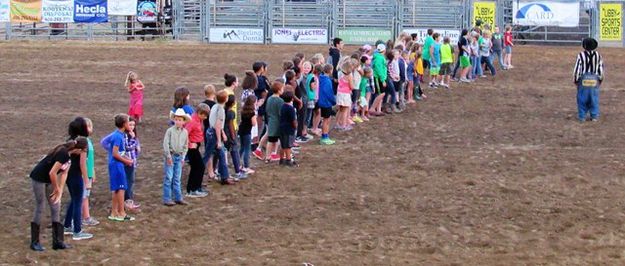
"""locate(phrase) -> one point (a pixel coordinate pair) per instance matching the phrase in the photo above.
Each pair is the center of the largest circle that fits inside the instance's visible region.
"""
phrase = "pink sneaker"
(275, 157)
(258, 154)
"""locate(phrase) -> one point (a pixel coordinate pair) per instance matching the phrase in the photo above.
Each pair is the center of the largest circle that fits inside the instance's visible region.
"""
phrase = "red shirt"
(194, 127)
(507, 38)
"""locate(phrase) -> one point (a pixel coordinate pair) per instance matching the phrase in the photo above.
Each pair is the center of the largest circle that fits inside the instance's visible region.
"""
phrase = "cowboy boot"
(57, 237)
(34, 237)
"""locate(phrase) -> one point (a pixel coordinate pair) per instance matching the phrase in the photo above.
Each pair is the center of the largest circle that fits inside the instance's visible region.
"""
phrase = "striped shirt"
(588, 62)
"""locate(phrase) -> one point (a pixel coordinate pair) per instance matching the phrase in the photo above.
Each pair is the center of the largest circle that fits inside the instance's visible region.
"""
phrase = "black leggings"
(41, 191)
(196, 173)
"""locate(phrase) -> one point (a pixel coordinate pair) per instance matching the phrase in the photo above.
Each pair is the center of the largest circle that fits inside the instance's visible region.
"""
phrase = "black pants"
(197, 170)
(301, 119)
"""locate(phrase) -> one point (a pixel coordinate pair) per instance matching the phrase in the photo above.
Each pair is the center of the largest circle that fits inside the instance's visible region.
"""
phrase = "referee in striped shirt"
(588, 75)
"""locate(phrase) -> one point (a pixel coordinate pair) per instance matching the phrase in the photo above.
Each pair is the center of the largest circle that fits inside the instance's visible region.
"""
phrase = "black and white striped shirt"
(588, 62)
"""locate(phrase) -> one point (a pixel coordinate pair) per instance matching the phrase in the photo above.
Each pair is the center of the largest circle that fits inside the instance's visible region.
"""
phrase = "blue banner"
(90, 11)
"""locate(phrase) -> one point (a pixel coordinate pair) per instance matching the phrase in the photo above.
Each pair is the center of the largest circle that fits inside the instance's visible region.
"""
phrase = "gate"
(304, 21)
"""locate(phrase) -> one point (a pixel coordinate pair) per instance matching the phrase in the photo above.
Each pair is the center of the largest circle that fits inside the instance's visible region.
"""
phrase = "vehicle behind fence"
(317, 21)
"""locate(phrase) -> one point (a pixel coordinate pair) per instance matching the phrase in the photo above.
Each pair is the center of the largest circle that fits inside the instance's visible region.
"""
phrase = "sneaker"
(81, 236)
(241, 175)
(464, 80)
(301, 140)
(90, 221)
(327, 141)
(309, 137)
(294, 151)
(424, 96)
(248, 171)
(130, 204)
(192, 194)
(365, 119)
(258, 154)
(445, 85)
(275, 157)
(482, 76)
(594, 120)
(295, 145)
(291, 163)
(179, 202)
(68, 231)
(168, 204)
(357, 119)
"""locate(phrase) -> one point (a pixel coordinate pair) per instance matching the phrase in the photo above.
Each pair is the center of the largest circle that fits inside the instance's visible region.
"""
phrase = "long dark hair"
(78, 128)
(78, 143)
(180, 97)
(248, 108)
(131, 119)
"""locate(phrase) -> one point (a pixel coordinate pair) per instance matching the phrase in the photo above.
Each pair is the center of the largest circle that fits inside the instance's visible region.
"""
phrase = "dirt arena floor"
(497, 172)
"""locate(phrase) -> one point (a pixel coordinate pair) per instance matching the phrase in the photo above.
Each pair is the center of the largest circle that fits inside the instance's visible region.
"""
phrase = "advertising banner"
(236, 35)
(5, 11)
(484, 11)
(90, 11)
(363, 36)
(57, 11)
(293, 36)
(147, 11)
(546, 13)
(122, 7)
(454, 35)
(611, 22)
(25, 10)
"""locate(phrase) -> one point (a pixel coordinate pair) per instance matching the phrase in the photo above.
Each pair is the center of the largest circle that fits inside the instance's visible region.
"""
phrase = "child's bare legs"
(377, 103)
(119, 195)
(85, 208)
(409, 91)
(209, 167)
(316, 120)
(325, 126)
(114, 205)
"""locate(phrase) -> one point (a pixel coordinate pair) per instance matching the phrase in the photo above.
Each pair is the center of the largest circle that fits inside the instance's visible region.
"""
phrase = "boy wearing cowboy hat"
(175, 146)
(588, 75)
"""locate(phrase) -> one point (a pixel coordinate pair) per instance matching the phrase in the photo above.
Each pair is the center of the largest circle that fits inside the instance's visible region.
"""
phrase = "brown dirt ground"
(497, 172)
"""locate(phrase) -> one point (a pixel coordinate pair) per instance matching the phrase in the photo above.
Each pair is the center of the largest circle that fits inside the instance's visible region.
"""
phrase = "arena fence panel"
(447, 17)
(365, 21)
(299, 22)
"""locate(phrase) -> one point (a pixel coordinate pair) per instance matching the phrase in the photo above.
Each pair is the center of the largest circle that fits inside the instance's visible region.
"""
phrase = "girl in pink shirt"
(135, 88)
(344, 94)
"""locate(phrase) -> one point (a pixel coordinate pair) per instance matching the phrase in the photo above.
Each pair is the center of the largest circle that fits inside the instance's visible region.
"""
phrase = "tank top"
(344, 85)
(446, 56)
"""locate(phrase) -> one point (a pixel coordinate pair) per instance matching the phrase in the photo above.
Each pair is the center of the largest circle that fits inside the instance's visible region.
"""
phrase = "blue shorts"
(117, 176)
(508, 49)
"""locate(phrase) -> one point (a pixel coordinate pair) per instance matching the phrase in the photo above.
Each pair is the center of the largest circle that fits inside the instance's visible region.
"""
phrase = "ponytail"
(70, 145)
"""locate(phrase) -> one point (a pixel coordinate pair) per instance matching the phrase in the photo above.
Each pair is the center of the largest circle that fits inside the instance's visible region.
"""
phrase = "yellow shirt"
(234, 108)
(419, 67)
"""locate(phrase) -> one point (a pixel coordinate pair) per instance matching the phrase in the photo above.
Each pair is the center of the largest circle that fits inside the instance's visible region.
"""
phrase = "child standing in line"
(135, 88)
(250, 82)
(403, 79)
(366, 87)
(485, 51)
(175, 147)
(302, 112)
(464, 56)
(232, 82)
(87, 219)
(507, 45)
(133, 148)
(288, 125)
(77, 180)
(196, 138)
(48, 178)
(215, 137)
(231, 140)
(435, 60)
(447, 60)
(475, 51)
(344, 94)
(117, 174)
(357, 78)
(380, 75)
(326, 101)
(274, 104)
(248, 121)
(410, 70)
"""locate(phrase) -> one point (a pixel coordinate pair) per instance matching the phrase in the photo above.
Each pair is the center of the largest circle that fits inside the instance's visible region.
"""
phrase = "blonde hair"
(209, 90)
(130, 73)
(346, 65)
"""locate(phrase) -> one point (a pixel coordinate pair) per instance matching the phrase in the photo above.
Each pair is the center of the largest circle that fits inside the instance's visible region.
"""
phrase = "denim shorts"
(508, 49)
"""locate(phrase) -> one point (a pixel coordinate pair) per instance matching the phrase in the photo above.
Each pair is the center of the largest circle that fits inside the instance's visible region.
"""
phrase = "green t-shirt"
(90, 159)
(429, 41)
(447, 54)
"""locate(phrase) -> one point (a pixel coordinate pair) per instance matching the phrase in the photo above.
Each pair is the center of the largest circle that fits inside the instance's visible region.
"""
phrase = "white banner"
(290, 35)
(5, 12)
(454, 35)
(236, 35)
(57, 11)
(545, 13)
(122, 7)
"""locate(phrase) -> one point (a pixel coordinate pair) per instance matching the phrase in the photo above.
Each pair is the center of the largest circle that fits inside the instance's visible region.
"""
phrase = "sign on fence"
(25, 10)
(122, 7)
(611, 22)
(362, 36)
(57, 11)
(5, 11)
(147, 11)
(236, 35)
(294, 36)
(90, 11)
(484, 11)
(546, 13)
(454, 35)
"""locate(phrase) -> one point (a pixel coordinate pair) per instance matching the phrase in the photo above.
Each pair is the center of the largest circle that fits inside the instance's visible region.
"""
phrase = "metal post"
(7, 34)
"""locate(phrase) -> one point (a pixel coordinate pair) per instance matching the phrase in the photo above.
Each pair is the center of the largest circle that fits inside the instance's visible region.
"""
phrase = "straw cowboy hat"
(179, 113)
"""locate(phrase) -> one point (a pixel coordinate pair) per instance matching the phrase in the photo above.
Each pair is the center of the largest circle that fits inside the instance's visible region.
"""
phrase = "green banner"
(362, 36)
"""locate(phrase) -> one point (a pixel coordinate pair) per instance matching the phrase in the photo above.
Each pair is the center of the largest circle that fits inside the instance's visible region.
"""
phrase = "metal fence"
(310, 21)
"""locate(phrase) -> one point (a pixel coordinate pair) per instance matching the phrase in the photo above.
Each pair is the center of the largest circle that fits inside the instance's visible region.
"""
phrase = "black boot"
(57, 237)
(34, 237)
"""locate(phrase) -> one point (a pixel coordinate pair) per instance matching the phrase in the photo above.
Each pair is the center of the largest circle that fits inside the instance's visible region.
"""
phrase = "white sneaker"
(81, 235)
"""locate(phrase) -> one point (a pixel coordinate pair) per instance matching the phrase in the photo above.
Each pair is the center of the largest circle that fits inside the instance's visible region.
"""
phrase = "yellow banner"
(611, 22)
(484, 11)
(25, 10)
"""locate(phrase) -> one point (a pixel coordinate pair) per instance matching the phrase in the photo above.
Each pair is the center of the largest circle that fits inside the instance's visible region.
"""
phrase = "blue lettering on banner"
(90, 11)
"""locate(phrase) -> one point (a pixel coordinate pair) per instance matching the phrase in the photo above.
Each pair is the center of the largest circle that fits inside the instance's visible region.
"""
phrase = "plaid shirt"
(132, 148)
